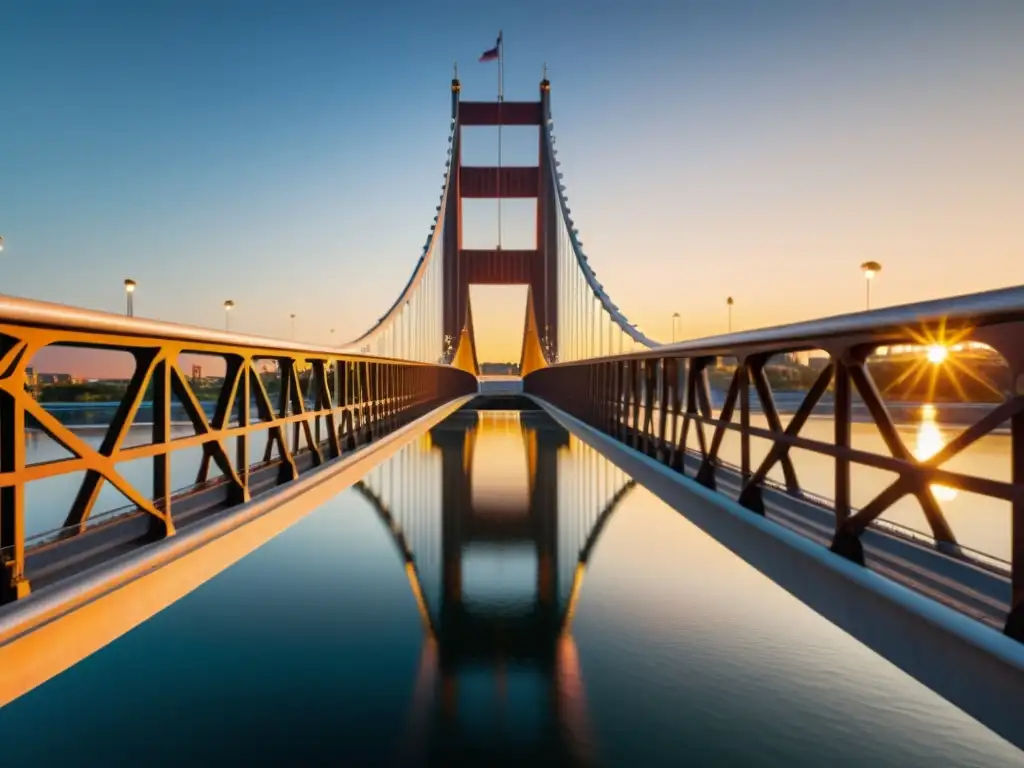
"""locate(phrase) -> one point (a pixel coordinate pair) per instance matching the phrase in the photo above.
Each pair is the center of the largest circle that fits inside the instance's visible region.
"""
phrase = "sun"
(937, 353)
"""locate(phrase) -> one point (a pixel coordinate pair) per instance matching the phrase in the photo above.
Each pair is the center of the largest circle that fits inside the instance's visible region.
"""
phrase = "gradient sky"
(289, 156)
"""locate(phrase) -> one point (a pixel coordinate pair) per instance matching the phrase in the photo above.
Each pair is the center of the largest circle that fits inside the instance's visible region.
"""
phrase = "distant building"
(783, 372)
(55, 378)
(793, 358)
(197, 372)
(499, 369)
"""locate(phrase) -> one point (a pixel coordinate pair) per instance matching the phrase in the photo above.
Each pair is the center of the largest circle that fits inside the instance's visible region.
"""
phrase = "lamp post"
(728, 304)
(870, 269)
(129, 294)
(292, 316)
(228, 306)
(675, 317)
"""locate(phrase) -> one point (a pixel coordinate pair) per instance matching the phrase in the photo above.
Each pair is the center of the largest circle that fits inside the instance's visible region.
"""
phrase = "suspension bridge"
(271, 445)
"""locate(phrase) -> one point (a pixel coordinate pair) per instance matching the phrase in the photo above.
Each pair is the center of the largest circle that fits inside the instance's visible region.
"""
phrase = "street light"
(228, 306)
(729, 303)
(292, 316)
(870, 269)
(675, 317)
(129, 293)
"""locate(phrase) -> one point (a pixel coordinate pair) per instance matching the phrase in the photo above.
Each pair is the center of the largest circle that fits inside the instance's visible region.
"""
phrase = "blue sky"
(289, 156)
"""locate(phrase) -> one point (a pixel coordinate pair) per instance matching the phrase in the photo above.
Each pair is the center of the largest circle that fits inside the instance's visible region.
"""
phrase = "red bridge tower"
(536, 268)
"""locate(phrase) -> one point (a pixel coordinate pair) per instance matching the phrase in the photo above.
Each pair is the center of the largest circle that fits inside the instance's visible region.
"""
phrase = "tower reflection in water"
(495, 514)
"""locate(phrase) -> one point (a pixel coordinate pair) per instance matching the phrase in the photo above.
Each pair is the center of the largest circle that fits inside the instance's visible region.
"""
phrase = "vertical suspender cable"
(545, 160)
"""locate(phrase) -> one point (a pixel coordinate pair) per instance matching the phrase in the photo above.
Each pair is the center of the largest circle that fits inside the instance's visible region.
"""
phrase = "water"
(314, 648)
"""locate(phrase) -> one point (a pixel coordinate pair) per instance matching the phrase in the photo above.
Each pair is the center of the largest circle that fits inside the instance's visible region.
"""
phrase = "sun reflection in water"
(929, 442)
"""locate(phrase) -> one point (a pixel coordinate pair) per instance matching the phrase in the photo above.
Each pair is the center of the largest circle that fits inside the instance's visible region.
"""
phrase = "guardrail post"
(650, 400)
(12, 498)
(1015, 619)
(621, 400)
(162, 436)
(666, 368)
(844, 541)
(744, 386)
(243, 405)
(677, 447)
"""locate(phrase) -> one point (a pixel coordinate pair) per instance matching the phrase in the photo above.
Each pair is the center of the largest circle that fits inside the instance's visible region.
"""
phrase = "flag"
(493, 53)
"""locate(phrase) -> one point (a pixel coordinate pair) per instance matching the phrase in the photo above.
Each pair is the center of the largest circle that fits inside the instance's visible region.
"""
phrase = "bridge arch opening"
(498, 312)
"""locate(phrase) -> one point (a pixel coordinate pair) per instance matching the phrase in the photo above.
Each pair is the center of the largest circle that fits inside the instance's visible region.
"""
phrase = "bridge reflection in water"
(496, 576)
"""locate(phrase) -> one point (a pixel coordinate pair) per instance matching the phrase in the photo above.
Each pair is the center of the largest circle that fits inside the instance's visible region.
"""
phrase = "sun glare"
(937, 353)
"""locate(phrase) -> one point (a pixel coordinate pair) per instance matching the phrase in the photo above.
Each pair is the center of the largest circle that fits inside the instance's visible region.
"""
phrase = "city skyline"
(169, 146)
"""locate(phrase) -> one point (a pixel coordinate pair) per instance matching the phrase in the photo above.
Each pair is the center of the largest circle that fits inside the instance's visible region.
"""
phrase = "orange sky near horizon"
(761, 152)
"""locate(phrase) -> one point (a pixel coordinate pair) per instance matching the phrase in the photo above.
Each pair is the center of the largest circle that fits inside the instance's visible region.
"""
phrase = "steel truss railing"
(649, 400)
(354, 400)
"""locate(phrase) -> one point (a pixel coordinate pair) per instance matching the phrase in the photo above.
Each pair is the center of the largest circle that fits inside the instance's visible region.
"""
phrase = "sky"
(288, 156)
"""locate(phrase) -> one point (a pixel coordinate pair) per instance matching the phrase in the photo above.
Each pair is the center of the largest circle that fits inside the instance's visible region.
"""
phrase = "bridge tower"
(465, 521)
(536, 268)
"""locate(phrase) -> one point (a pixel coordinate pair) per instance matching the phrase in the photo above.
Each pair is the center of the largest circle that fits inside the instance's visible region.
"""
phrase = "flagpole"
(544, 226)
(501, 98)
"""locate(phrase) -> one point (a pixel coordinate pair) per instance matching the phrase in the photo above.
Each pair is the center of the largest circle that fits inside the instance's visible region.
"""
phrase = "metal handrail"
(346, 401)
(974, 309)
(30, 313)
